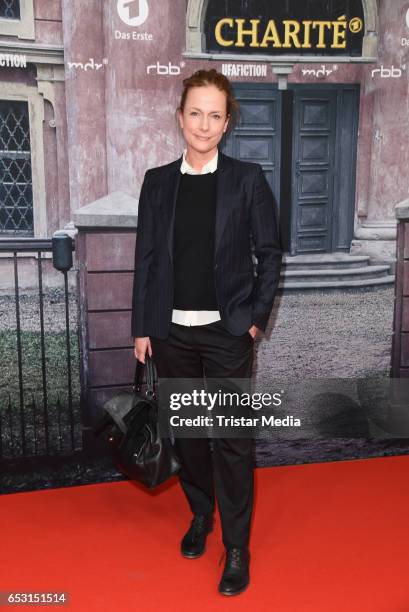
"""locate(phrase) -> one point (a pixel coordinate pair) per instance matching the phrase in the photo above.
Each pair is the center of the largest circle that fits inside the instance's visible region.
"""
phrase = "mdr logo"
(133, 12)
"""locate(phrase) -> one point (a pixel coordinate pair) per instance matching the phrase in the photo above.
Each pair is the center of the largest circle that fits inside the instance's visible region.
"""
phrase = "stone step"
(327, 260)
(338, 284)
(336, 274)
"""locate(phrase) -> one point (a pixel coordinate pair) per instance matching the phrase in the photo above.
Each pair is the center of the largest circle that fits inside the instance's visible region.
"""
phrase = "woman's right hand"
(141, 346)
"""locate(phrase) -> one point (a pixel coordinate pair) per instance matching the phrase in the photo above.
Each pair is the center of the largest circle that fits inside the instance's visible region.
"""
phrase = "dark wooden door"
(305, 140)
(257, 138)
(323, 168)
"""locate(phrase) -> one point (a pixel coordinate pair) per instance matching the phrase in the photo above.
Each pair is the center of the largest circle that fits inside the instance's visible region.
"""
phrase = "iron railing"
(27, 429)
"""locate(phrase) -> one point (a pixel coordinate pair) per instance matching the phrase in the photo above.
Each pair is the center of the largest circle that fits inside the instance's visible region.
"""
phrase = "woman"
(197, 305)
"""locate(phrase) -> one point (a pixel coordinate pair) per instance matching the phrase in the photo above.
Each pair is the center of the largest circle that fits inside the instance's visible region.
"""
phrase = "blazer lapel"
(170, 206)
(222, 202)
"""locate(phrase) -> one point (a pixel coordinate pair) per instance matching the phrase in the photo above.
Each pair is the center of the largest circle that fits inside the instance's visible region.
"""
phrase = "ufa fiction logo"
(133, 12)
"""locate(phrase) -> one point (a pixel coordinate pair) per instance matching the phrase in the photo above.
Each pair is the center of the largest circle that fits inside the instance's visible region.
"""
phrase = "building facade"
(89, 90)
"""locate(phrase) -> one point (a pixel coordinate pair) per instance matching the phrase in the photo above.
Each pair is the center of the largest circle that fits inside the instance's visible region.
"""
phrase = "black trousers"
(210, 350)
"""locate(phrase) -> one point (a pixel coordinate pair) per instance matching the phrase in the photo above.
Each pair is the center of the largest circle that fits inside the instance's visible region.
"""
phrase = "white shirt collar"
(210, 167)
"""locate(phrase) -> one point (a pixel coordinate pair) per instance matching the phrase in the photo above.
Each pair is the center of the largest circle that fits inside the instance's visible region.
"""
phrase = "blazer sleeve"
(144, 248)
(265, 232)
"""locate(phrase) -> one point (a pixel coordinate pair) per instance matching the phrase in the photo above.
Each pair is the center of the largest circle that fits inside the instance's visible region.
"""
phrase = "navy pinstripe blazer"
(245, 216)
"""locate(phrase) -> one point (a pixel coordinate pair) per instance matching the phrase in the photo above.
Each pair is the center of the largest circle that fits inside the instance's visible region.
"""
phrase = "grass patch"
(55, 361)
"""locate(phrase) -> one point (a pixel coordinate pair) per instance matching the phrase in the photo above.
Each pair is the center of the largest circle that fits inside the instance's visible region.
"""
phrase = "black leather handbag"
(137, 447)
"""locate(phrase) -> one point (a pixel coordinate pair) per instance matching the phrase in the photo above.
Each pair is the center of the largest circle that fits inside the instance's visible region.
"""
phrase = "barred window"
(16, 193)
(10, 9)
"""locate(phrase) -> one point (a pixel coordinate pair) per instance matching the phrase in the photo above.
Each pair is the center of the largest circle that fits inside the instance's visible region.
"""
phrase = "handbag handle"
(151, 376)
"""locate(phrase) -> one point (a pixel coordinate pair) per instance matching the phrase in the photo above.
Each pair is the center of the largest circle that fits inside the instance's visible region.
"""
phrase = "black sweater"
(194, 236)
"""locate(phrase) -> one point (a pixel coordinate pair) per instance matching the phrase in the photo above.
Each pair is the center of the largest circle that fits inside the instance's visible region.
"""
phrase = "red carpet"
(328, 537)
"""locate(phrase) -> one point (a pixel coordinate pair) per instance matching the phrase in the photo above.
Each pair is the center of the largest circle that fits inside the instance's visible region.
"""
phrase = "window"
(16, 191)
(17, 19)
(10, 9)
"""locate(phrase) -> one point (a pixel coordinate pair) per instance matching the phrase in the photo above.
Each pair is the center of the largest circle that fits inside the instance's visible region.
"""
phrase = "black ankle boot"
(235, 576)
(193, 543)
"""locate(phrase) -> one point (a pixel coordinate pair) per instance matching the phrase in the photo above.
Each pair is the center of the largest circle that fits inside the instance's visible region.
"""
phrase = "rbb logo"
(133, 12)
(388, 73)
(168, 70)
